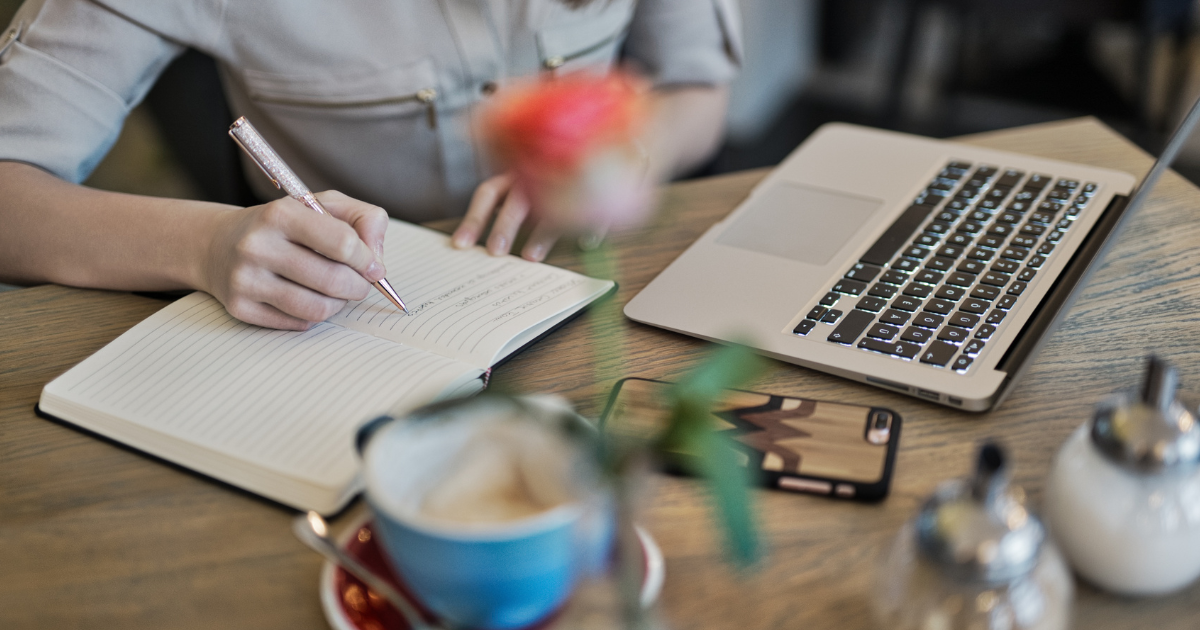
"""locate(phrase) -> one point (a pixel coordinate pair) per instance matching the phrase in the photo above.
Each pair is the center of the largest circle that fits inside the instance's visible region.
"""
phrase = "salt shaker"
(1123, 498)
(974, 558)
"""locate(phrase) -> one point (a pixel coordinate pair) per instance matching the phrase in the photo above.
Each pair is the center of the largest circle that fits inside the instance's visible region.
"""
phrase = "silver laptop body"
(851, 203)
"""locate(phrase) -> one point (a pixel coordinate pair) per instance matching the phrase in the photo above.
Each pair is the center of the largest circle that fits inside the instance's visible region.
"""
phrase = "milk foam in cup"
(489, 509)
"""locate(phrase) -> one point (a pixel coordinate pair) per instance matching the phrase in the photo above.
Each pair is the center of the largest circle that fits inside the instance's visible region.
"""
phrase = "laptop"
(925, 267)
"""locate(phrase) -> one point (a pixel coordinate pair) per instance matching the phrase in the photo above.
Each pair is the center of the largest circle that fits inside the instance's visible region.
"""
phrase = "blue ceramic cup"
(494, 575)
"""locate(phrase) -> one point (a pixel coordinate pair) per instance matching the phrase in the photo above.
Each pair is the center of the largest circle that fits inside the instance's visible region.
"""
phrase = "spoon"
(312, 531)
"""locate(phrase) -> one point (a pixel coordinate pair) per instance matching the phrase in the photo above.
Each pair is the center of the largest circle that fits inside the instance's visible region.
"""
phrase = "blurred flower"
(572, 144)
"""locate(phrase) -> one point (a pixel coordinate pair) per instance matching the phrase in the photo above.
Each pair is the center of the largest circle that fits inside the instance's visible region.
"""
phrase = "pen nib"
(386, 289)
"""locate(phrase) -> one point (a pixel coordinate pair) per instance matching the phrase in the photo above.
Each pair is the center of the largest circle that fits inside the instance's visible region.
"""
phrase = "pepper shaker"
(1123, 497)
(974, 558)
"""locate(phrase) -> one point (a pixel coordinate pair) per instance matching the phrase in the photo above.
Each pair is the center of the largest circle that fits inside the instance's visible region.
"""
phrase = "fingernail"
(375, 271)
(498, 246)
(462, 241)
(537, 253)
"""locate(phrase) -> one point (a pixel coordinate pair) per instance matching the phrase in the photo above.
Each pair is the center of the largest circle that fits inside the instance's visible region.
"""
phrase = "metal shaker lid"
(1153, 432)
(979, 529)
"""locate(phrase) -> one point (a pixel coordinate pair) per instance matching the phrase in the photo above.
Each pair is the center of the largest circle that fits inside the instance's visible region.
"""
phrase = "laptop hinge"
(1058, 300)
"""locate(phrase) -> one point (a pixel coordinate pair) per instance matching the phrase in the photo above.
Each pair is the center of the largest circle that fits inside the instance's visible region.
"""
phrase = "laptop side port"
(925, 393)
(955, 401)
(879, 381)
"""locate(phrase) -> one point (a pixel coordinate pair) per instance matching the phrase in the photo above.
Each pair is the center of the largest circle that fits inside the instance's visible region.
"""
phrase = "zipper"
(555, 62)
(425, 96)
(10, 37)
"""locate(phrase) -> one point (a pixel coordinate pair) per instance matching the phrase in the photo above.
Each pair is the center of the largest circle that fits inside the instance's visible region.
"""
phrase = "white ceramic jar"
(1123, 497)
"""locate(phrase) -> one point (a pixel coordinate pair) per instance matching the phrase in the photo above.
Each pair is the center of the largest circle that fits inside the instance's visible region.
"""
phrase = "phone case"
(836, 449)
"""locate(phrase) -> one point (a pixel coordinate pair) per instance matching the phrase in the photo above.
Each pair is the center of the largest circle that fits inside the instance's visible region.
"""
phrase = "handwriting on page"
(289, 399)
(462, 304)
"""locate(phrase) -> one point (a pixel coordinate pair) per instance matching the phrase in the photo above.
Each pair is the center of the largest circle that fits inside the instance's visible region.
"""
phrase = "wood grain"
(95, 535)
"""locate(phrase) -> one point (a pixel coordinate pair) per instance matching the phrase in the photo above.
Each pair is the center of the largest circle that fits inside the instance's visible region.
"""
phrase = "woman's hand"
(282, 265)
(498, 196)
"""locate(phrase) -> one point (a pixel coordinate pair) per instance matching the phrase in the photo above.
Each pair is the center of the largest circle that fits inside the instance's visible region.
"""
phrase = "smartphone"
(839, 450)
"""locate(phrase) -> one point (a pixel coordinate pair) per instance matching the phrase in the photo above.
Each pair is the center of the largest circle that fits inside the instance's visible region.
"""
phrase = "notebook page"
(464, 304)
(286, 401)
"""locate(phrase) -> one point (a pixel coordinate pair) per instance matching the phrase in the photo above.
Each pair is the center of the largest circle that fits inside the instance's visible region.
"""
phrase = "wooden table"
(94, 535)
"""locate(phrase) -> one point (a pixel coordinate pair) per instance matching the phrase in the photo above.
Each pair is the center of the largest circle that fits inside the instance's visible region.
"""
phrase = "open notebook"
(275, 412)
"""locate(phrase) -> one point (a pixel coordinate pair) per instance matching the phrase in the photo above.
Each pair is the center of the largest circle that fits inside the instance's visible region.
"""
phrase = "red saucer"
(350, 605)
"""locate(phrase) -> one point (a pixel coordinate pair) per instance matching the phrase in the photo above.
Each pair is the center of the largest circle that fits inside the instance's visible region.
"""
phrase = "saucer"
(348, 605)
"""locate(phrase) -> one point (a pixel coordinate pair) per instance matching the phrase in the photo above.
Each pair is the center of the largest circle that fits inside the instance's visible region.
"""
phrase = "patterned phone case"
(798, 444)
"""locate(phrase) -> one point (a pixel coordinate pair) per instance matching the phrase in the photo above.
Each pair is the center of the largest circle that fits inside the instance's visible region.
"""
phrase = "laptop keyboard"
(982, 234)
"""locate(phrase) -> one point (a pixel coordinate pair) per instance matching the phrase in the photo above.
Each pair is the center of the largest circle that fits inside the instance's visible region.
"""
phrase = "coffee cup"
(489, 509)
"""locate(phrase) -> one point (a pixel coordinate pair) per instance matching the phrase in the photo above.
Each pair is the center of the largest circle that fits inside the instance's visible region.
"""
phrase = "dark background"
(933, 67)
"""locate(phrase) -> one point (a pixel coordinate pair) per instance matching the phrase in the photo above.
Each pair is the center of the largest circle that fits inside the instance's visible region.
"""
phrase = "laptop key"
(1005, 265)
(954, 334)
(832, 316)
(804, 327)
(1017, 288)
(961, 363)
(981, 254)
(950, 251)
(830, 299)
(1038, 181)
(852, 326)
(940, 263)
(918, 253)
(1024, 240)
(882, 331)
(927, 240)
(897, 348)
(1015, 253)
(917, 335)
(906, 303)
(949, 292)
(1033, 229)
(995, 279)
(991, 242)
(872, 304)
(939, 306)
(970, 227)
(972, 266)
(817, 313)
(918, 290)
(985, 292)
(864, 272)
(996, 316)
(928, 320)
(906, 265)
(975, 306)
(939, 353)
(1026, 274)
(850, 287)
(928, 276)
(894, 317)
(973, 347)
(1054, 236)
(937, 227)
(880, 290)
(985, 331)
(893, 277)
(963, 320)
(960, 239)
(1007, 302)
(961, 279)
(1001, 229)
(1010, 217)
(897, 234)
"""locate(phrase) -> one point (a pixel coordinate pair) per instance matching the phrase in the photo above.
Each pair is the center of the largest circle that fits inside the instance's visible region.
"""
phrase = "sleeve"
(70, 71)
(686, 42)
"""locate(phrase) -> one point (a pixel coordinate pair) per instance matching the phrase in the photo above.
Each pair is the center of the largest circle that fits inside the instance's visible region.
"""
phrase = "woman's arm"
(261, 262)
(685, 130)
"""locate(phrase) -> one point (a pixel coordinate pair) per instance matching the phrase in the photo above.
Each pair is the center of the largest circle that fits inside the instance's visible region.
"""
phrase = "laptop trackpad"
(801, 223)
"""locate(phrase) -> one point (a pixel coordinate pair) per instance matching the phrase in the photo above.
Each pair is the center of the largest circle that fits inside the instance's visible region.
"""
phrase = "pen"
(278, 172)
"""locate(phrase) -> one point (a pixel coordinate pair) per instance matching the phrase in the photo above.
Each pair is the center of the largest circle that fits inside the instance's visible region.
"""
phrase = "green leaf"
(692, 430)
